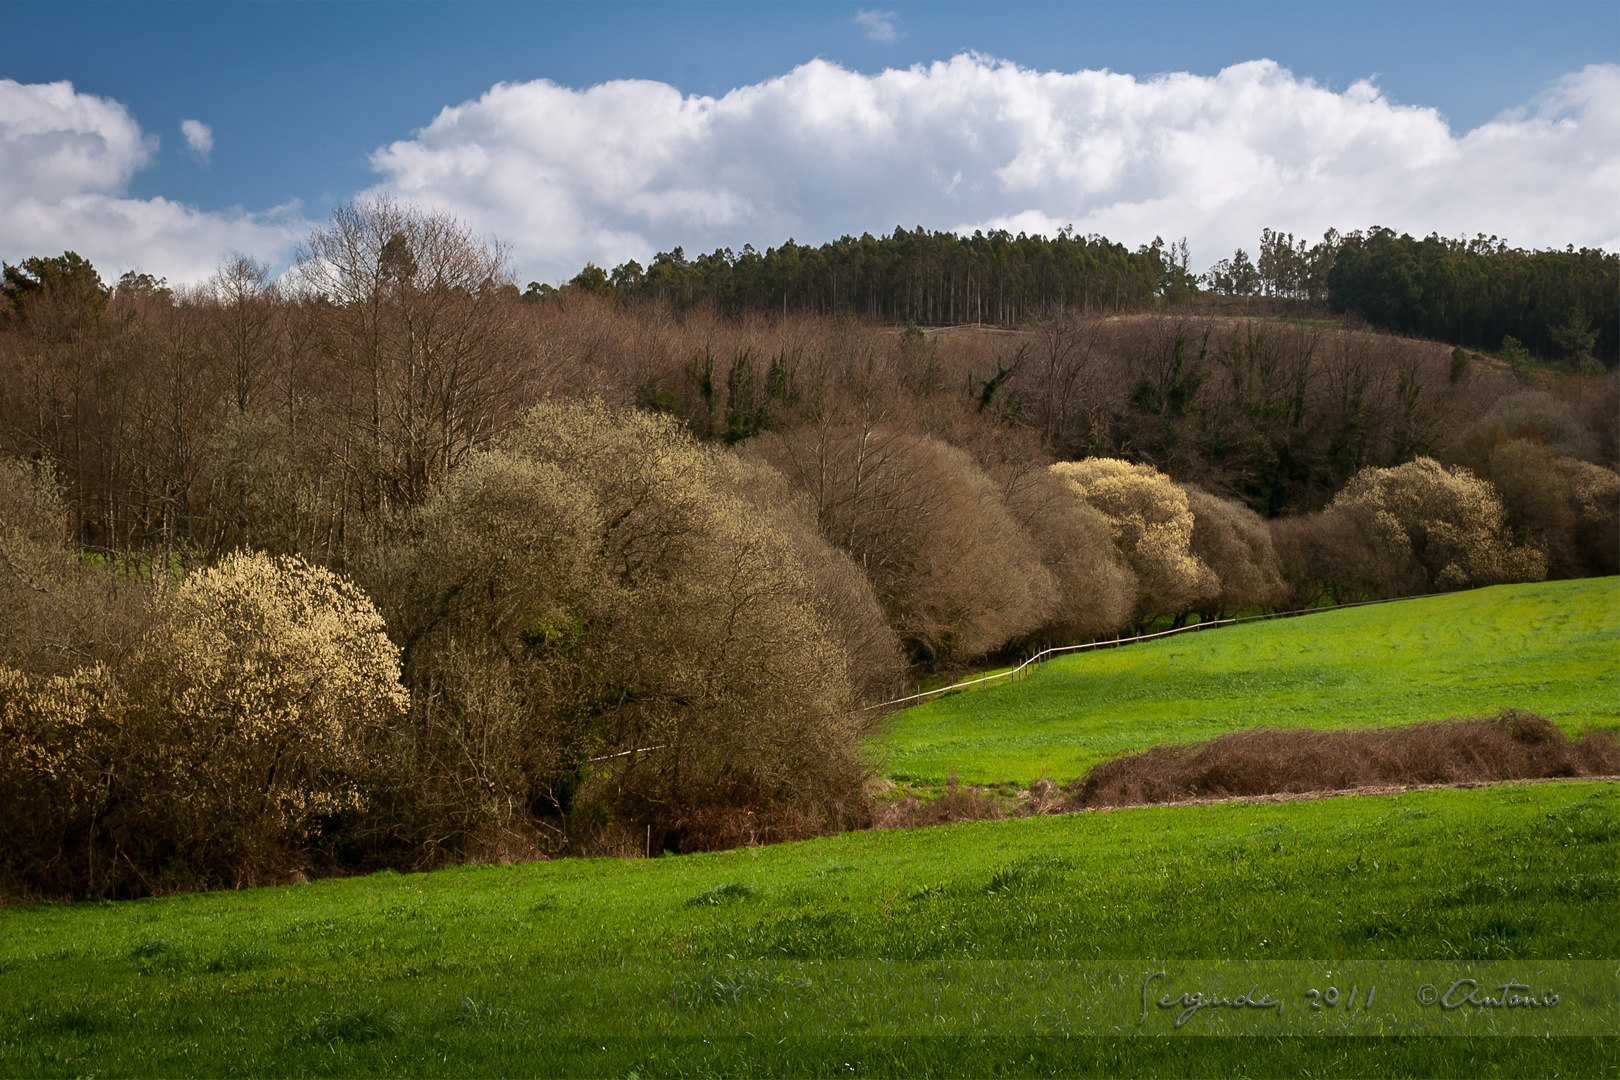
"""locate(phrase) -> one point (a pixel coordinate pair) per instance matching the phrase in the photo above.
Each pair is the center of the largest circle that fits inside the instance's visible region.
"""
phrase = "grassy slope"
(853, 954)
(1552, 648)
(958, 950)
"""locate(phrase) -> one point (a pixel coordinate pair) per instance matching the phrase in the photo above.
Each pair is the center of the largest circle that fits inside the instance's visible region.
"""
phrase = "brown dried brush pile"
(1512, 746)
(956, 805)
(722, 827)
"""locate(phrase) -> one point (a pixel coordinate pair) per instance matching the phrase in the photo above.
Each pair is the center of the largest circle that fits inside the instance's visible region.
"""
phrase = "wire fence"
(1044, 655)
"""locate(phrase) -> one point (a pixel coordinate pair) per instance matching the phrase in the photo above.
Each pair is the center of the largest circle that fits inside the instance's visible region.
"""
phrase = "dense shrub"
(1153, 528)
(1595, 509)
(1235, 544)
(1536, 415)
(1421, 525)
(239, 722)
(710, 638)
(854, 617)
(955, 572)
(483, 592)
(592, 623)
(1096, 589)
(1565, 507)
(267, 685)
(1301, 542)
(62, 739)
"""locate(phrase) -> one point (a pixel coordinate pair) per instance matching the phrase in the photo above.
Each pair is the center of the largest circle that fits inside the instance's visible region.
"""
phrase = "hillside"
(622, 569)
(1551, 648)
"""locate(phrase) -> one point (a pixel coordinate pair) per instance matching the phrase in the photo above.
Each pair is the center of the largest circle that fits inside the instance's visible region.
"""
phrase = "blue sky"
(296, 101)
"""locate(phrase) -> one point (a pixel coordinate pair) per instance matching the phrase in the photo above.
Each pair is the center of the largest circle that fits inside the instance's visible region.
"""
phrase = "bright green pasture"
(1551, 648)
(1016, 947)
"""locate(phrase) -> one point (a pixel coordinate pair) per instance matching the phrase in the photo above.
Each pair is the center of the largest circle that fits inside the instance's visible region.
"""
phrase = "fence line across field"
(1047, 654)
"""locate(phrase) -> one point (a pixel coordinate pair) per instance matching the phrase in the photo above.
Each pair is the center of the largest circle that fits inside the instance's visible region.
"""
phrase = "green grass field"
(1017, 947)
(1551, 648)
(1014, 947)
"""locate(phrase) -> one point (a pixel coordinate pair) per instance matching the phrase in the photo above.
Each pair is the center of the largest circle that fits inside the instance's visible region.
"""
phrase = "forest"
(384, 562)
(1555, 306)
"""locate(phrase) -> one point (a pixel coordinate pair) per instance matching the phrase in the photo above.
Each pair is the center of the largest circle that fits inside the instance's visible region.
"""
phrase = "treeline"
(1559, 306)
(381, 565)
(931, 278)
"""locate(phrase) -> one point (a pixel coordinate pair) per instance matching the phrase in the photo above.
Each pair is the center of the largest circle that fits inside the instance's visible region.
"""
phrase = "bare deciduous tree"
(244, 330)
(418, 312)
(1233, 542)
(1096, 589)
(956, 574)
(1068, 390)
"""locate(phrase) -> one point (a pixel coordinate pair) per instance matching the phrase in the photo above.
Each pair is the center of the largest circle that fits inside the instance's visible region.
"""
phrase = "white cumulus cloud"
(199, 136)
(66, 160)
(622, 169)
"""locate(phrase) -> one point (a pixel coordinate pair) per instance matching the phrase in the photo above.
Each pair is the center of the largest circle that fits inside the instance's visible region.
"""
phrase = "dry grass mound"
(1512, 746)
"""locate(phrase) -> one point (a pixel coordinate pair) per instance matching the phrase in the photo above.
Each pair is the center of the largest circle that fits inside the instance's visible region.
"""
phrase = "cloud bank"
(66, 160)
(625, 168)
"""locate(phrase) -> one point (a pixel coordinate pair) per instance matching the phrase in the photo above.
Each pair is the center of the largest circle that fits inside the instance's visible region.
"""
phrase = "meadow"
(1014, 947)
(1080, 944)
(1551, 648)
